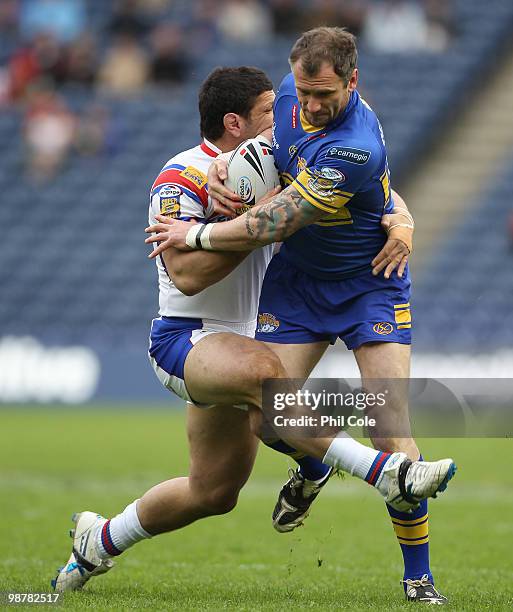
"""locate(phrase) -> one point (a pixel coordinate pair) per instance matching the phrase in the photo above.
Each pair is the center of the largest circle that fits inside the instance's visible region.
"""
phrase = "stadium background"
(94, 97)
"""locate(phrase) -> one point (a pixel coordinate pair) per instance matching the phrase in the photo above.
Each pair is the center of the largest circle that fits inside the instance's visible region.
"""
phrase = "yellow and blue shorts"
(297, 308)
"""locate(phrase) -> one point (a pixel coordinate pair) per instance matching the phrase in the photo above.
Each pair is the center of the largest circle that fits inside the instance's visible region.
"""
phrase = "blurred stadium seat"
(465, 300)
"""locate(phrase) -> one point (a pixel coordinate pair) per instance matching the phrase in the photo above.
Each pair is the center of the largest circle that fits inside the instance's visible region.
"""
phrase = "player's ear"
(232, 124)
(353, 81)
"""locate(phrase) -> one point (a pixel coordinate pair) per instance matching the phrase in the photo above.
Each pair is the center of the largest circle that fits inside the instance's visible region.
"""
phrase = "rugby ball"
(251, 171)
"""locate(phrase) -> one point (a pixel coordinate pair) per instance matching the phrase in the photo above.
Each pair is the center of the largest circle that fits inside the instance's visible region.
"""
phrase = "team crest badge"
(267, 323)
(383, 329)
(170, 200)
(325, 181)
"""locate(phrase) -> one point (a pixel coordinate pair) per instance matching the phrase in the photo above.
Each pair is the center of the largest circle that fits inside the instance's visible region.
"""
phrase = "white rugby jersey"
(180, 191)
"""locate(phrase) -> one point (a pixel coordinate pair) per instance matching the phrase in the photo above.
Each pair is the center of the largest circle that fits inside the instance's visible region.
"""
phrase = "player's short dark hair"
(336, 46)
(229, 90)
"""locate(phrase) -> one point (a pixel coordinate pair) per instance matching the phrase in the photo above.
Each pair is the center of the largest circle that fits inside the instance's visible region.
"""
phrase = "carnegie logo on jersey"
(169, 196)
(195, 176)
(325, 181)
(267, 323)
(347, 154)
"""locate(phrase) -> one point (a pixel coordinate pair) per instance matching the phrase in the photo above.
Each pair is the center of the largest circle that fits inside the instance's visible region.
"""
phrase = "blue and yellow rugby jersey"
(341, 169)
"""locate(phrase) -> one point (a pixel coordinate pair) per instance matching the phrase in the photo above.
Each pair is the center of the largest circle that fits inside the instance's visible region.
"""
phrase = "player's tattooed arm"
(274, 218)
(272, 221)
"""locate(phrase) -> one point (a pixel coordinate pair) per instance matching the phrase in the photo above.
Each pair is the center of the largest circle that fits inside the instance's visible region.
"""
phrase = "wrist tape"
(198, 237)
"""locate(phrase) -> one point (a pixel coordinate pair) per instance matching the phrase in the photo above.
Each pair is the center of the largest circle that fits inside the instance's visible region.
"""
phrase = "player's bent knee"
(263, 366)
(255, 421)
(214, 495)
(260, 366)
(218, 501)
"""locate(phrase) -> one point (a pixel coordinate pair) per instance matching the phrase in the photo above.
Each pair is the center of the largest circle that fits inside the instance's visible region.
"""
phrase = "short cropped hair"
(229, 90)
(336, 46)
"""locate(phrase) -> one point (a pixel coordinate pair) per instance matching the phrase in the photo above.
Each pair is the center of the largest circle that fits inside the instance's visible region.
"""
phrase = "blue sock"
(310, 468)
(412, 531)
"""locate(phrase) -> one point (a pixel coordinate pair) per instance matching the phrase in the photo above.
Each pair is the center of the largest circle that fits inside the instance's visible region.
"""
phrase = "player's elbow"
(185, 283)
(187, 286)
(188, 291)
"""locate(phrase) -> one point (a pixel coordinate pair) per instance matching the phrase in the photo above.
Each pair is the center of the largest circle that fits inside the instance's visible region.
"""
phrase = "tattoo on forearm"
(281, 217)
(248, 226)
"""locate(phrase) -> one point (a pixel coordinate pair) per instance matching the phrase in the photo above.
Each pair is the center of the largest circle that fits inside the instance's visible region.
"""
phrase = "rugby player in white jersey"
(202, 348)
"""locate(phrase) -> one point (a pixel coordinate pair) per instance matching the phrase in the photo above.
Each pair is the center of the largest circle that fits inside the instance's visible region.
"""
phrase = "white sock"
(123, 531)
(348, 455)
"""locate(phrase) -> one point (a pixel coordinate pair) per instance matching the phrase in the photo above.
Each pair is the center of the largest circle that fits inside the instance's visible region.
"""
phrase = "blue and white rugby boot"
(84, 561)
(405, 483)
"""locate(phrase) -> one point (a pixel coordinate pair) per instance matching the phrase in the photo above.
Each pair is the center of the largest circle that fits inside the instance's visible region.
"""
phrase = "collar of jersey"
(209, 148)
(339, 119)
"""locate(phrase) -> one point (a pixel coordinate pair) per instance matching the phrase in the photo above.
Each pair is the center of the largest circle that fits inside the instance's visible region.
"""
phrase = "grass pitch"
(55, 462)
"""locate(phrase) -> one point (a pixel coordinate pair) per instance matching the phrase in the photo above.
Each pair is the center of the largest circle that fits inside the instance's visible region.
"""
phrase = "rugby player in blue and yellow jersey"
(330, 151)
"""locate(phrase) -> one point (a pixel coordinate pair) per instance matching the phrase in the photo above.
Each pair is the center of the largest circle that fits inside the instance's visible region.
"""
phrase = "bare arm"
(400, 209)
(193, 271)
(396, 251)
(273, 221)
(399, 203)
(169, 232)
(288, 212)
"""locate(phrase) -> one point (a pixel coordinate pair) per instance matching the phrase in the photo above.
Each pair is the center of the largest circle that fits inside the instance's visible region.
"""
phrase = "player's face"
(323, 96)
(261, 116)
